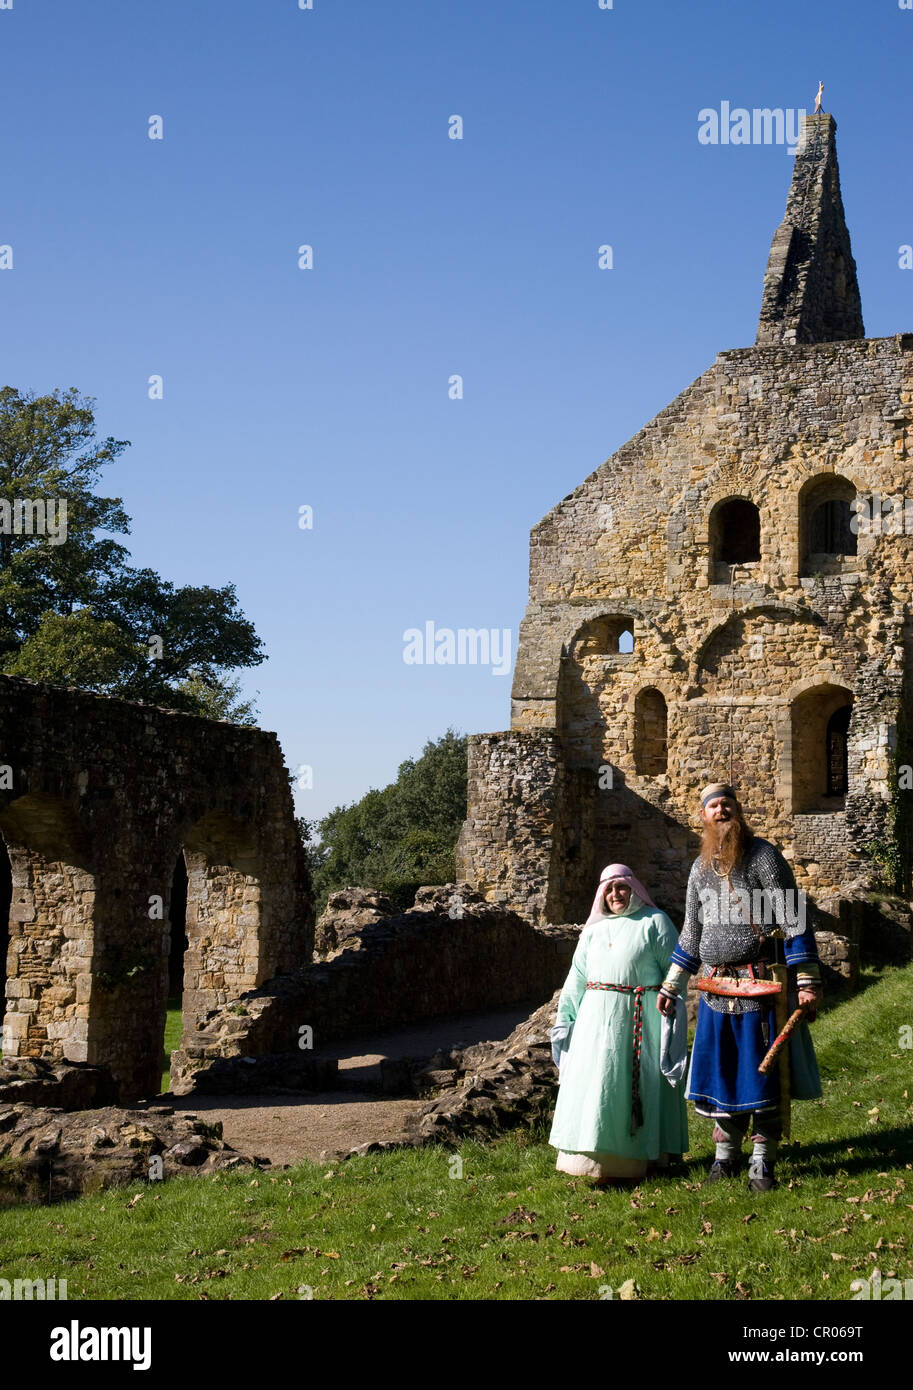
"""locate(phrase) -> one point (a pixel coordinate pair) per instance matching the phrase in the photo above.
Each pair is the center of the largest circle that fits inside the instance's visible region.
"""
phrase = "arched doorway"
(820, 720)
(214, 925)
(177, 947)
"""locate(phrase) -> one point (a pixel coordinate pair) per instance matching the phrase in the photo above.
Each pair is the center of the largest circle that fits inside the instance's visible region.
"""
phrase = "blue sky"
(328, 387)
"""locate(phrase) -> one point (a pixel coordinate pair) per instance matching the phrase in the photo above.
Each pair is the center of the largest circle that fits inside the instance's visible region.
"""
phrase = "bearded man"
(741, 898)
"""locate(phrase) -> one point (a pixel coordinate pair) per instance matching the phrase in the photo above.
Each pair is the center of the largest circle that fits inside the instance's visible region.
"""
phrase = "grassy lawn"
(172, 1039)
(408, 1224)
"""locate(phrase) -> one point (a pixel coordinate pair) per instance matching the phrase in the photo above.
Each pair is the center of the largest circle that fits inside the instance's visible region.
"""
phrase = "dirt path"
(287, 1129)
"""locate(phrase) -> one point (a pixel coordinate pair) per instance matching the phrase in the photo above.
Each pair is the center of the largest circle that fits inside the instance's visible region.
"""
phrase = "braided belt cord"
(637, 1110)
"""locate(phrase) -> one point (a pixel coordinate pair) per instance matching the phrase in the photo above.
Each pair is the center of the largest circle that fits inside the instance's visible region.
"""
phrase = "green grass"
(398, 1225)
(172, 1039)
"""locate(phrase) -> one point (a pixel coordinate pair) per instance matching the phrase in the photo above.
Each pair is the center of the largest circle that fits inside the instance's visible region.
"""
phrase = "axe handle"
(779, 1042)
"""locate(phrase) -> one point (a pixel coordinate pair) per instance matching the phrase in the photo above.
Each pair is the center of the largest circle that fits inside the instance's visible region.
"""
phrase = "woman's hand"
(665, 1004)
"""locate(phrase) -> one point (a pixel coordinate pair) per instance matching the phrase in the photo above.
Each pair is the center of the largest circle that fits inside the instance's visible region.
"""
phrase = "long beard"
(724, 844)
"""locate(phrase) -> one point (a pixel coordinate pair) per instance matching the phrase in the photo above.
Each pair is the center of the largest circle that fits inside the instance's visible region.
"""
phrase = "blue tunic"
(729, 1046)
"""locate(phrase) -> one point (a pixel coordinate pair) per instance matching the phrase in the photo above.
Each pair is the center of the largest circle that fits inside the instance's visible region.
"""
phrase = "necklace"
(713, 864)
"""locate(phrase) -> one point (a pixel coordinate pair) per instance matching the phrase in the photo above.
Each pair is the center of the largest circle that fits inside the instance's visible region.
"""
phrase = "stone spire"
(810, 290)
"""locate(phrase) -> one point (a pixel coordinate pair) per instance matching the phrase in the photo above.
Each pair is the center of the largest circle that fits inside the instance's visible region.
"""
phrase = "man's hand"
(665, 1004)
(808, 1000)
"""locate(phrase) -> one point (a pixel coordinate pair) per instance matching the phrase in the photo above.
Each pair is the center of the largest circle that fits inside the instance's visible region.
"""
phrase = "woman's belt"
(637, 1110)
(730, 983)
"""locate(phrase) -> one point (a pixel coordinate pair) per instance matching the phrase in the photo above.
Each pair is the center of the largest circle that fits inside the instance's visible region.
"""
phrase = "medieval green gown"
(594, 1110)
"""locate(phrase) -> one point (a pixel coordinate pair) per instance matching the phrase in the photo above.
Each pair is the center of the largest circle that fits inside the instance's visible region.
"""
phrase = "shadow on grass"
(872, 1152)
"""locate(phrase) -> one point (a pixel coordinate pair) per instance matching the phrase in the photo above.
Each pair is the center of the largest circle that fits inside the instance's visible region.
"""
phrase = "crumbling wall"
(100, 797)
(446, 955)
(742, 665)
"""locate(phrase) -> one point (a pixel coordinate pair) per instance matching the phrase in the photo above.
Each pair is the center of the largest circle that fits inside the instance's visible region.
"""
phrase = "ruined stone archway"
(103, 793)
(51, 930)
(223, 915)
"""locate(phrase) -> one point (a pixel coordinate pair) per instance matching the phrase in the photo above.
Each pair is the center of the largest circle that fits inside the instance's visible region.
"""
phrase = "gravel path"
(289, 1128)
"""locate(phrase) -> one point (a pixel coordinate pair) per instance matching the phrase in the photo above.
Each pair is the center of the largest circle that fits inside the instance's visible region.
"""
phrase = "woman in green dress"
(616, 1109)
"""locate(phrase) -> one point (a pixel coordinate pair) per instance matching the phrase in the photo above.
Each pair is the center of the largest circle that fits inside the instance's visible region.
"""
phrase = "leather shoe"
(722, 1168)
(761, 1177)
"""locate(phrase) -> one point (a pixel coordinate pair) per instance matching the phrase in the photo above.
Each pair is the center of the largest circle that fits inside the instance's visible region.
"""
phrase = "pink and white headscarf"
(613, 873)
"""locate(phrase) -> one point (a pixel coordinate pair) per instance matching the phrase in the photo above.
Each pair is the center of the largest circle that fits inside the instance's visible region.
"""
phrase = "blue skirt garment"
(729, 1048)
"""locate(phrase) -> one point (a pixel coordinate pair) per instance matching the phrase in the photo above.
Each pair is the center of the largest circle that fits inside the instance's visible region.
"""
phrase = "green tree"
(398, 838)
(72, 609)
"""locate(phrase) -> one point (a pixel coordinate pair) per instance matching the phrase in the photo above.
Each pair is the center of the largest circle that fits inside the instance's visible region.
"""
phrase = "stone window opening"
(836, 752)
(735, 532)
(611, 635)
(651, 733)
(820, 720)
(826, 536)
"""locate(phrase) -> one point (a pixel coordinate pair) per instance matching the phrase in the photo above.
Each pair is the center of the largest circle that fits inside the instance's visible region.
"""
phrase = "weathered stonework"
(445, 955)
(105, 794)
(346, 912)
(754, 630)
(50, 1156)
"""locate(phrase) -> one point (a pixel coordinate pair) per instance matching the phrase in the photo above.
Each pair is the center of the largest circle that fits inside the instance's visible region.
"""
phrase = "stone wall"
(749, 670)
(416, 965)
(100, 797)
(708, 536)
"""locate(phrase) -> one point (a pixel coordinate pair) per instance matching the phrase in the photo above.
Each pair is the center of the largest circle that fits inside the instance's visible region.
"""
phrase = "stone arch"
(826, 538)
(223, 914)
(602, 636)
(734, 529)
(51, 929)
(820, 721)
(735, 631)
(651, 732)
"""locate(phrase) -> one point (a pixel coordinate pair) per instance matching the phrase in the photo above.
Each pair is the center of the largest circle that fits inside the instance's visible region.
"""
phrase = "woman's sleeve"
(575, 984)
(663, 940)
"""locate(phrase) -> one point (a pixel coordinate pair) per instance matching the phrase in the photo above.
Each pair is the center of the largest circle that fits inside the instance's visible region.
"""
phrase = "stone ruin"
(701, 606)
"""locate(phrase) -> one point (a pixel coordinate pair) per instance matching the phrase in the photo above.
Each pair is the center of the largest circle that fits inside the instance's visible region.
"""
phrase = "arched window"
(829, 529)
(826, 534)
(836, 751)
(820, 739)
(735, 532)
(608, 636)
(651, 722)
